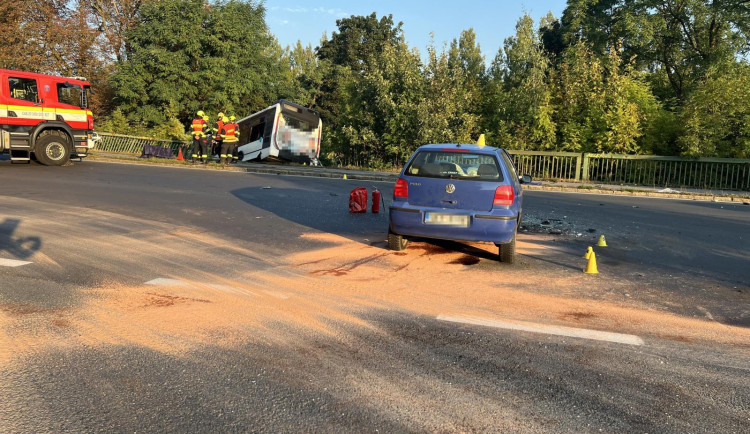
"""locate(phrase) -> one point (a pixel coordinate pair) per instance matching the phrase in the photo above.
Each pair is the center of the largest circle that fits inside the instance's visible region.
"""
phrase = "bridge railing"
(704, 173)
(650, 170)
(119, 143)
(548, 165)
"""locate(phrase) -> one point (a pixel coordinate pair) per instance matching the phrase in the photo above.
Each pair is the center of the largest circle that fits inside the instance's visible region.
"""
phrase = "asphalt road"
(140, 298)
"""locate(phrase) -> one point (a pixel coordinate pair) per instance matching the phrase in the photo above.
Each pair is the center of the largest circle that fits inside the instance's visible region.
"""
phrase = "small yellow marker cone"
(591, 266)
(344, 176)
(602, 242)
(480, 142)
(588, 252)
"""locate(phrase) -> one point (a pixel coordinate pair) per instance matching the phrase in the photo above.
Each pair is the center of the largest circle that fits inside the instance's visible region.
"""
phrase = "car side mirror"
(525, 179)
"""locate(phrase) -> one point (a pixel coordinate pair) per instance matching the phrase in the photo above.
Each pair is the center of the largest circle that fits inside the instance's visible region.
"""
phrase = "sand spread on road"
(321, 290)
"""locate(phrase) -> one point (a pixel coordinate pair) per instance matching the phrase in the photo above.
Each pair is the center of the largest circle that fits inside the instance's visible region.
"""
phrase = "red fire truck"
(44, 117)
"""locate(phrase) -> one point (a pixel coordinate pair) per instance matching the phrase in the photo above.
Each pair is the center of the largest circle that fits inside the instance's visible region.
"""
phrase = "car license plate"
(436, 218)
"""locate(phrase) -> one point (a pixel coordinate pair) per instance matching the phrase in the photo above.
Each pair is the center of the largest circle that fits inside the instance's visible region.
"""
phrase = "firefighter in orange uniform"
(217, 133)
(208, 140)
(229, 134)
(235, 156)
(198, 127)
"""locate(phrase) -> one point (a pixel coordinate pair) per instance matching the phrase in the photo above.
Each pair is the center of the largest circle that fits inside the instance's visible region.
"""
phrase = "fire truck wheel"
(52, 148)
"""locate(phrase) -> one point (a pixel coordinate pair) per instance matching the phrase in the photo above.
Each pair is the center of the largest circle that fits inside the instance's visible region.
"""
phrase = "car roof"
(471, 147)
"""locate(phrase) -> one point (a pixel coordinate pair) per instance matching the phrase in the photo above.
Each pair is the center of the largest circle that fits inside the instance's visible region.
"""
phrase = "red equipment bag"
(358, 200)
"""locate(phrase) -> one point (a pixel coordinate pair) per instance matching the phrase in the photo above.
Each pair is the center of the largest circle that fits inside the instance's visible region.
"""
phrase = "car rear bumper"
(493, 227)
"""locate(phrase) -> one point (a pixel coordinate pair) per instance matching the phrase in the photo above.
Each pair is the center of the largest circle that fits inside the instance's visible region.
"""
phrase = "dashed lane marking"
(163, 281)
(12, 262)
(232, 289)
(546, 329)
(276, 294)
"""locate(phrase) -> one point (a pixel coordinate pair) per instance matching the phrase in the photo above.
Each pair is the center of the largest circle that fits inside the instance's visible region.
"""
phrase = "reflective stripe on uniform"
(229, 131)
(198, 125)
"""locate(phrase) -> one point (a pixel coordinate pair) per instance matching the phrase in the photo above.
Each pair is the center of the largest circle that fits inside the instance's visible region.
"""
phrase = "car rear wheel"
(397, 242)
(507, 251)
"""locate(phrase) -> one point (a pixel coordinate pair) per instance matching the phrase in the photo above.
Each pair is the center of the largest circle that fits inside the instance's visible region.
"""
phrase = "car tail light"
(402, 189)
(504, 195)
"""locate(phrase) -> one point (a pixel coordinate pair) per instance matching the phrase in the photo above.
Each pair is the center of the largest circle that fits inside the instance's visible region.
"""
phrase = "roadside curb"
(357, 175)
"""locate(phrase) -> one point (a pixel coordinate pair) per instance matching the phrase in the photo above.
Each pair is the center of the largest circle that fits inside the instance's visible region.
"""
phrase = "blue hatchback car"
(458, 192)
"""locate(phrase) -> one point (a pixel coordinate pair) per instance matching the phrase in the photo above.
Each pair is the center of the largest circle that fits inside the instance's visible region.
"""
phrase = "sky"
(492, 21)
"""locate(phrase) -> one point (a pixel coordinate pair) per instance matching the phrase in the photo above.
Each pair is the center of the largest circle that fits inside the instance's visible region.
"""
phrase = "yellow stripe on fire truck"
(70, 115)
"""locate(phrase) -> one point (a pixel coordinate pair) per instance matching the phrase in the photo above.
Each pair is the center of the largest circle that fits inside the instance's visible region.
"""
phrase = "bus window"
(23, 88)
(299, 124)
(257, 131)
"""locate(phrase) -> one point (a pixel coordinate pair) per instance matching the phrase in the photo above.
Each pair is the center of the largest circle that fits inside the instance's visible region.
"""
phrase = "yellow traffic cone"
(588, 252)
(344, 176)
(602, 242)
(480, 142)
(591, 266)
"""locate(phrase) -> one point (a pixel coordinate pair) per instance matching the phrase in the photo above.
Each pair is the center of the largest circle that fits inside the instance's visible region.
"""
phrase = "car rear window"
(455, 165)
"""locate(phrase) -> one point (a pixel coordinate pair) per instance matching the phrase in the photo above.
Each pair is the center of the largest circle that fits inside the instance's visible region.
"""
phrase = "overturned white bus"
(283, 131)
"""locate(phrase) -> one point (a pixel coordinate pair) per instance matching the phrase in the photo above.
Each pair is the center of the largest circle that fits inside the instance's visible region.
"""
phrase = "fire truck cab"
(44, 117)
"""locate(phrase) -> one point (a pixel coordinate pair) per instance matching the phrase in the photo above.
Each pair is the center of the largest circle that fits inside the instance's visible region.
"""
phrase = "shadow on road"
(19, 247)
(445, 246)
(328, 212)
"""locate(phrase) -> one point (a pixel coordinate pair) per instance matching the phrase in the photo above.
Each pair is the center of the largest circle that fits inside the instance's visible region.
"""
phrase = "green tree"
(627, 100)
(447, 112)
(679, 40)
(716, 116)
(466, 67)
(579, 99)
(191, 55)
(307, 73)
(600, 23)
(603, 104)
(359, 38)
(380, 123)
(353, 55)
(519, 110)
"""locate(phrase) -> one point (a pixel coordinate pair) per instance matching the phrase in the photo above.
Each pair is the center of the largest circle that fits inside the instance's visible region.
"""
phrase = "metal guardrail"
(133, 145)
(548, 165)
(704, 173)
(650, 170)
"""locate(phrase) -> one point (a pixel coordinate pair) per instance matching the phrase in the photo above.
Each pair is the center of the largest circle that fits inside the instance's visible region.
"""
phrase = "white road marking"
(232, 289)
(13, 262)
(276, 294)
(705, 311)
(161, 281)
(546, 329)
